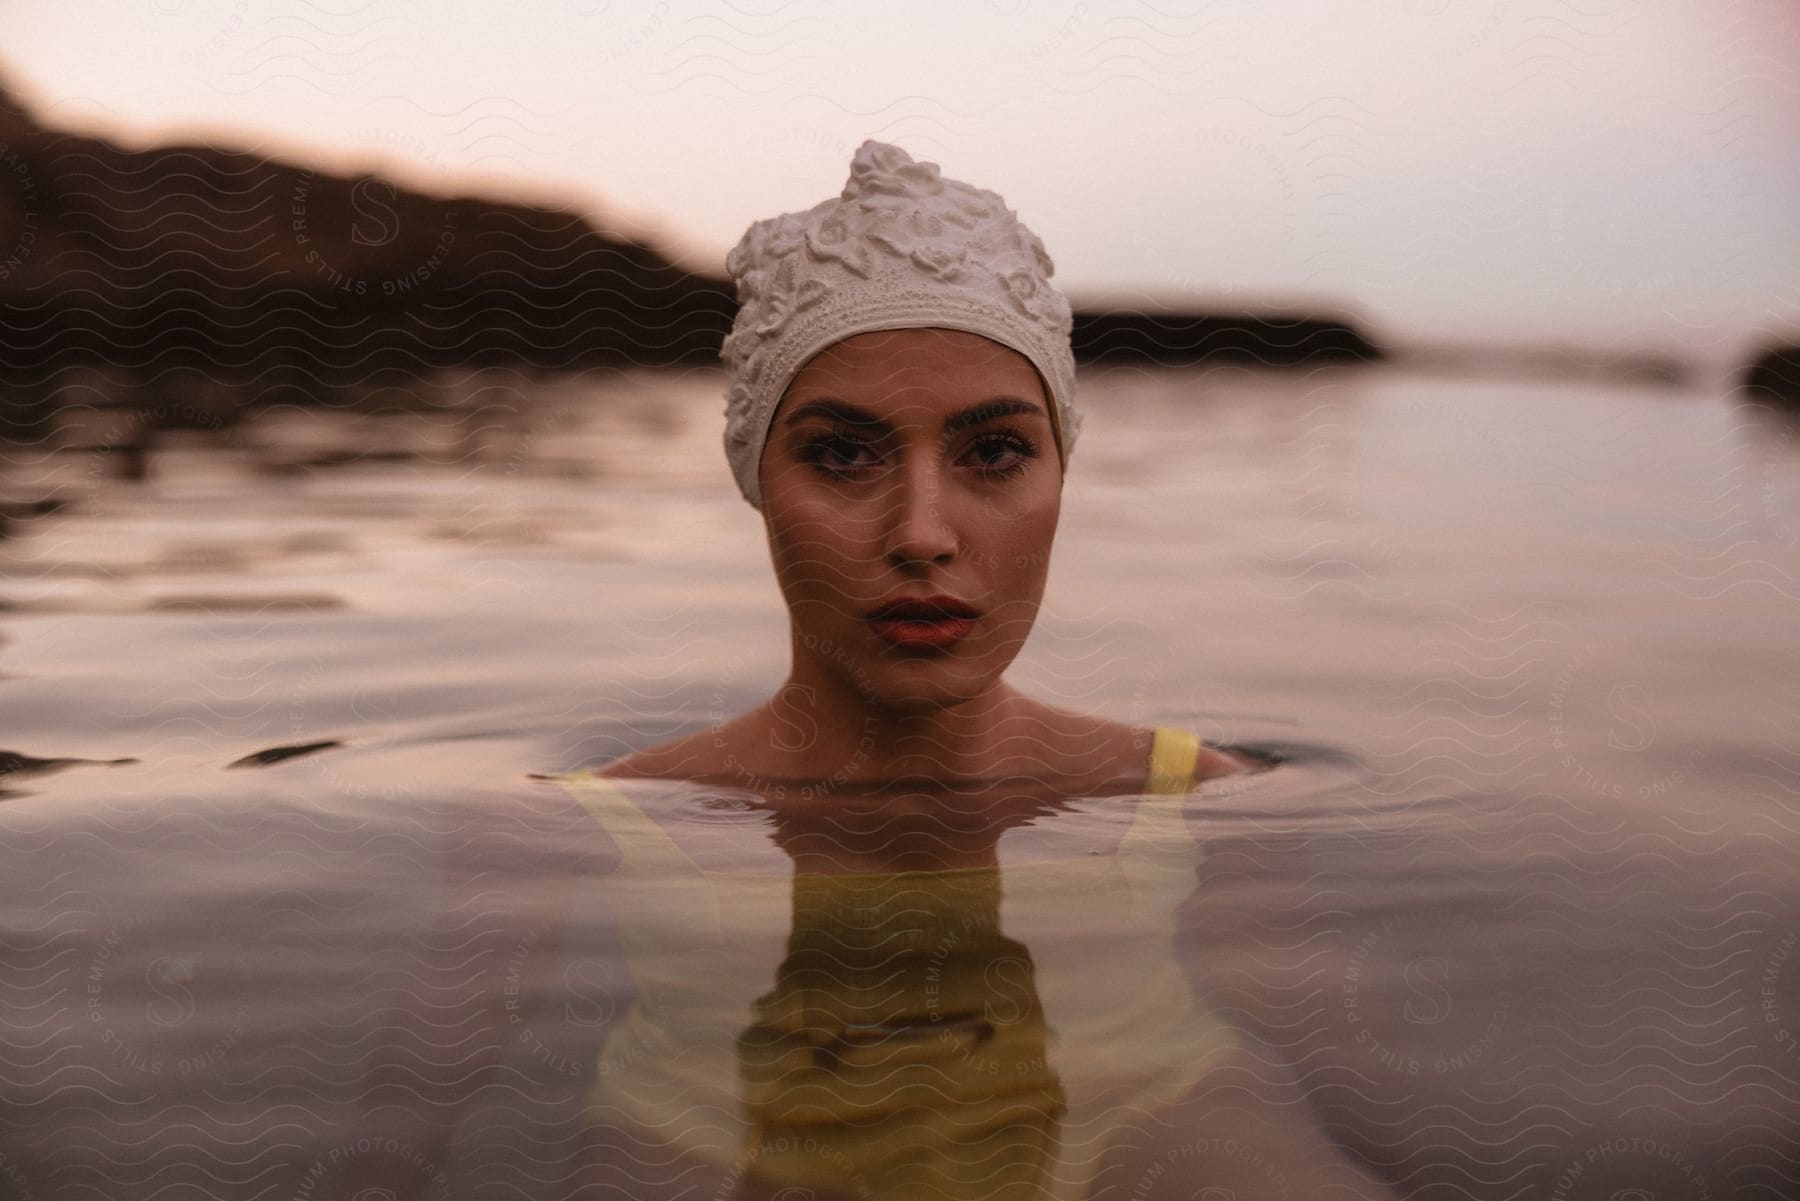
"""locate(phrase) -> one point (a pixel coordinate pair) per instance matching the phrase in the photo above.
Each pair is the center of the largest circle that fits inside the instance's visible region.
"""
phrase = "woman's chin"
(892, 673)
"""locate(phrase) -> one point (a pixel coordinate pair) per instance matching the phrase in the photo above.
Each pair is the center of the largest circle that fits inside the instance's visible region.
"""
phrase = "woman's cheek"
(813, 555)
(1031, 564)
(1017, 577)
(1026, 540)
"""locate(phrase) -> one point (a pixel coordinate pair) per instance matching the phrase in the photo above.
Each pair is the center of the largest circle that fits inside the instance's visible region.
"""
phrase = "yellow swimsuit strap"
(1173, 757)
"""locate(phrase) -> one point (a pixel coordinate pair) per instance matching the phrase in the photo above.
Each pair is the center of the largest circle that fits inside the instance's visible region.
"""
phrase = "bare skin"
(901, 486)
(1066, 753)
(910, 463)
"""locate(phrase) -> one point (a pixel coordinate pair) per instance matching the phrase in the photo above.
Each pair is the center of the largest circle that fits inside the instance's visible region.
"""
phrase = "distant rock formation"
(1270, 339)
(128, 276)
(252, 269)
(1555, 360)
(1776, 372)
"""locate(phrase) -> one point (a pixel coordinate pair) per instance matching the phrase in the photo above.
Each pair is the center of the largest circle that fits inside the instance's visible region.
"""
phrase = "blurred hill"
(272, 282)
(189, 255)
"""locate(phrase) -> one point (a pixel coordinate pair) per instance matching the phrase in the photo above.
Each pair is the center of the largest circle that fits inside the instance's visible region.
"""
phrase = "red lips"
(922, 608)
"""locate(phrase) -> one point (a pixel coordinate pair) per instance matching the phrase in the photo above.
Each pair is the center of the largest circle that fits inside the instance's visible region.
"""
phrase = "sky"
(1617, 173)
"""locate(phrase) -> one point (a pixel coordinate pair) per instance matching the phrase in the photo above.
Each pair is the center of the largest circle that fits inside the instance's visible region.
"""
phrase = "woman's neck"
(834, 732)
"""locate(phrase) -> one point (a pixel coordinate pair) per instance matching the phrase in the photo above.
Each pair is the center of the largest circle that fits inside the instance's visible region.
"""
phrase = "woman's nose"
(921, 529)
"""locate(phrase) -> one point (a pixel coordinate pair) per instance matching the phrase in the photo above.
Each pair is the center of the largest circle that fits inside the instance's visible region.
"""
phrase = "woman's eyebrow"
(850, 414)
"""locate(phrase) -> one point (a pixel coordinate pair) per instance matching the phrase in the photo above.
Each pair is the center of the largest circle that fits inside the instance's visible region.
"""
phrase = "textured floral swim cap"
(901, 247)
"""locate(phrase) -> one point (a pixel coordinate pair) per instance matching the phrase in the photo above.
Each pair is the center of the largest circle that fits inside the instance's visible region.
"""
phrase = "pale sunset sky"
(1620, 173)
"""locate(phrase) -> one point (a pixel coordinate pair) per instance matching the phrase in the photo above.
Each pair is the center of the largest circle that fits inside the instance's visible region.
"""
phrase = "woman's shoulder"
(719, 753)
(683, 758)
(1154, 758)
(1097, 754)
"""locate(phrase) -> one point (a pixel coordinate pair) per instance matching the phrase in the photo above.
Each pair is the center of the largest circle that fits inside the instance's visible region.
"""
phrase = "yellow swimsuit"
(879, 1034)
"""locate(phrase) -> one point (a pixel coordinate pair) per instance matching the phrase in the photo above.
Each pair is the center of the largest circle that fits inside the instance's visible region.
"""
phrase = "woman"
(842, 1007)
(901, 411)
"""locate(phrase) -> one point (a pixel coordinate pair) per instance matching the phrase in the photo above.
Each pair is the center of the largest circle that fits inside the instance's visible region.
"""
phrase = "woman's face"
(912, 463)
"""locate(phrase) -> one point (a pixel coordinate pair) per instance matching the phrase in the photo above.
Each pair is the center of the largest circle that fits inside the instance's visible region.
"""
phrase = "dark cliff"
(278, 282)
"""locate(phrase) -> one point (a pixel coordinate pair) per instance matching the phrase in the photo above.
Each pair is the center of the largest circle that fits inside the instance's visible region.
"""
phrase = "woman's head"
(900, 407)
(912, 463)
(901, 247)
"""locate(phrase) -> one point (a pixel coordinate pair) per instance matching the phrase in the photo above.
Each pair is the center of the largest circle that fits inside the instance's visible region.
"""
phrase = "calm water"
(1517, 917)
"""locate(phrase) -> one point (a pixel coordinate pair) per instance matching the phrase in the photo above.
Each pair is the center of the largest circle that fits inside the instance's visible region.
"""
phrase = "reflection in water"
(902, 1050)
(481, 991)
(997, 1029)
(1518, 913)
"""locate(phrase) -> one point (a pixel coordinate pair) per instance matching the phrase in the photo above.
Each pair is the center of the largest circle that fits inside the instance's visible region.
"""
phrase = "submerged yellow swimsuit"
(914, 1035)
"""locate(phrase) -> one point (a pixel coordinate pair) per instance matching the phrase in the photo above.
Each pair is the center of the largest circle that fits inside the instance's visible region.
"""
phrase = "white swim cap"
(900, 248)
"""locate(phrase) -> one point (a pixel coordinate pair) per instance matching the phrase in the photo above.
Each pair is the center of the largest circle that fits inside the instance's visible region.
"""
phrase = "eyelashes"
(833, 455)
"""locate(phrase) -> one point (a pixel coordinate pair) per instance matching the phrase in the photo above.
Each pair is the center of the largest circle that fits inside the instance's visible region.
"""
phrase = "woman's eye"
(1004, 454)
(996, 456)
(836, 455)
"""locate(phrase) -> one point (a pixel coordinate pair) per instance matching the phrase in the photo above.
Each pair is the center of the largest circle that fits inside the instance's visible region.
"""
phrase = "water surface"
(286, 914)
